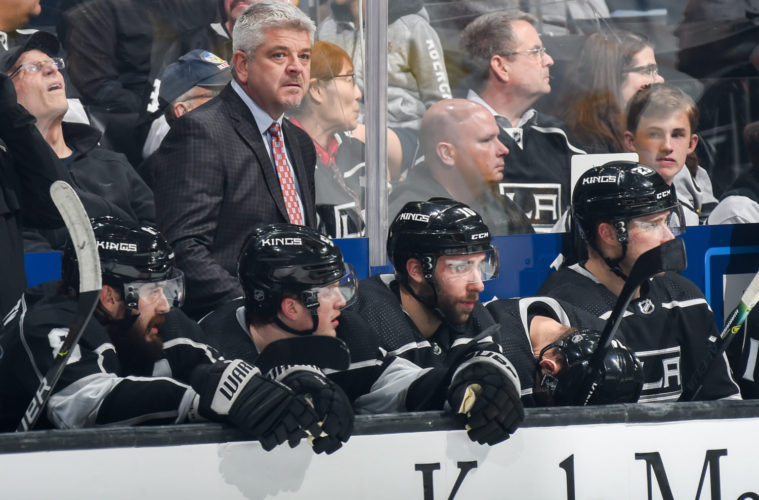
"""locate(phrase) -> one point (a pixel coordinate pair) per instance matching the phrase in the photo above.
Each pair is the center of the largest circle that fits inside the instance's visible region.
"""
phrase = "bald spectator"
(106, 182)
(515, 69)
(464, 160)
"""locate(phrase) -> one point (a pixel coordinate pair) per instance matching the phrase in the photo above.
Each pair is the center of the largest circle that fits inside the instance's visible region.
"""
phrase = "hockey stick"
(718, 345)
(669, 256)
(317, 350)
(80, 231)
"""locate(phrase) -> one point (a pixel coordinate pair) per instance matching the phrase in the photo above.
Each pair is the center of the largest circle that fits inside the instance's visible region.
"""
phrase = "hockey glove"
(332, 406)
(485, 389)
(264, 408)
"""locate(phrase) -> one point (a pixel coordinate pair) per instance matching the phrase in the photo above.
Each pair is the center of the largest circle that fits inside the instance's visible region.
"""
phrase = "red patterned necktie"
(285, 175)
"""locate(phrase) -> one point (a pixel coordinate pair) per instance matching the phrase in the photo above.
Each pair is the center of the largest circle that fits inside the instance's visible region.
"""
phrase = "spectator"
(139, 361)
(329, 113)
(27, 169)
(515, 70)
(661, 124)
(215, 179)
(463, 160)
(192, 80)
(106, 182)
(416, 72)
(620, 211)
(740, 203)
(609, 69)
(116, 51)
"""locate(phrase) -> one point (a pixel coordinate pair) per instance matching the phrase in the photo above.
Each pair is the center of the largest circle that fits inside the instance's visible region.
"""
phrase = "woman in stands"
(329, 113)
(610, 68)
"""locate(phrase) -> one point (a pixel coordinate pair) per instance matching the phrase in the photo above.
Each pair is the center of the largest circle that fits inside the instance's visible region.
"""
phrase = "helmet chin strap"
(621, 228)
(314, 317)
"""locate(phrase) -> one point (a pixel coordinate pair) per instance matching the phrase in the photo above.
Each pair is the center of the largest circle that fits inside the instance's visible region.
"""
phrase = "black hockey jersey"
(226, 330)
(667, 328)
(378, 311)
(95, 388)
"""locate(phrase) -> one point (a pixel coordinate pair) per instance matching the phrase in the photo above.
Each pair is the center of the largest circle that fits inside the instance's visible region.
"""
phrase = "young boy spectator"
(661, 125)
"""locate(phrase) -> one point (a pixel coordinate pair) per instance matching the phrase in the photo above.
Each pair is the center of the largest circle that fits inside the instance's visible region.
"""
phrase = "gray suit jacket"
(214, 182)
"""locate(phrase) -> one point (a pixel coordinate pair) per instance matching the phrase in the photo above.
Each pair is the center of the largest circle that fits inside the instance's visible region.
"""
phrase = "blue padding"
(713, 251)
(41, 267)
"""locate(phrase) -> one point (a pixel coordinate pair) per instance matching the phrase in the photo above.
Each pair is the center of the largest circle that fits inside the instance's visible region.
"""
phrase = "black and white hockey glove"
(264, 408)
(485, 390)
(332, 406)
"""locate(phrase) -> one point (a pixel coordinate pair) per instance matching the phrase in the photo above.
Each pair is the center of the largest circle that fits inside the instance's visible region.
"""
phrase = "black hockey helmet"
(617, 192)
(428, 229)
(621, 375)
(131, 256)
(280, 259)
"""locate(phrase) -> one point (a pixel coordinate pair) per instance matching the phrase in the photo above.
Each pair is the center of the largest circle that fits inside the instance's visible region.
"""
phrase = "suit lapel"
(247, 129)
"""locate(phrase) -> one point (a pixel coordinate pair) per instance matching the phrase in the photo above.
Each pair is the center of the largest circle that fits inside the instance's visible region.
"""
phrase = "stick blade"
(318, 350)
(81, 234)
(751, 295)
(669, 256)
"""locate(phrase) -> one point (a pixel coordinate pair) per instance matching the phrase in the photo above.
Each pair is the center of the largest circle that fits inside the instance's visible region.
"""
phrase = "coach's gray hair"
(248, 34)
(493, 34)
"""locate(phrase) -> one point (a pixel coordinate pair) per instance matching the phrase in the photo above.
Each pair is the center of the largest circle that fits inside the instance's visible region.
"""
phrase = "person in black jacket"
(106, 182)
(27, 168)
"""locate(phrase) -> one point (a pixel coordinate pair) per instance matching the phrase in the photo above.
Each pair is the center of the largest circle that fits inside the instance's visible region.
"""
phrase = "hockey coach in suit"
(222, 169)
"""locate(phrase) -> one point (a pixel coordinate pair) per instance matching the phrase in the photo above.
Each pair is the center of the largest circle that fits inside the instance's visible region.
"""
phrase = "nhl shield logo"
(646, 306)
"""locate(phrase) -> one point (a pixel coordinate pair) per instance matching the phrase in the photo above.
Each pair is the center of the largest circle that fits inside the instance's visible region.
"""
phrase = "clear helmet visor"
(671, 222)
(340, 293)
(150, 292)
(472, 268)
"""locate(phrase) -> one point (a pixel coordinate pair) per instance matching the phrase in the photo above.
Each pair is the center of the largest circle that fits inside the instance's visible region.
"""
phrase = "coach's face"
(276, 77)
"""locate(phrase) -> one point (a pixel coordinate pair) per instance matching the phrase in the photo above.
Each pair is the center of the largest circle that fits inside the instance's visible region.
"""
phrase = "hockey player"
(139, 361)
(296, 283)
(553, 359)
(429, 312)
(620, 210)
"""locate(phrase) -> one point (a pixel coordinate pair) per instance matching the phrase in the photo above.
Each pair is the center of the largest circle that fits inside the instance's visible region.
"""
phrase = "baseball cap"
(39, 40)
(197, 67)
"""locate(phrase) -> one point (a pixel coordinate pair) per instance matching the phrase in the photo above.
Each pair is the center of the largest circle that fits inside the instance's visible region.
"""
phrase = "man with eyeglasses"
(140, 359)
(104, 180)
(514, 73)
(621, 210)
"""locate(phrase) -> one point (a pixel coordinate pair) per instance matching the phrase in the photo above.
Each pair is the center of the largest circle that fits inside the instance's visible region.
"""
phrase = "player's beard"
(136, 346)
(449, 306)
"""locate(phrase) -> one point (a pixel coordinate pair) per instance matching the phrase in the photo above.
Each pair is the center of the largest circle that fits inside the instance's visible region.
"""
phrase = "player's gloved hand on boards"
(264, 408)
(332, 406)
(485, 390)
